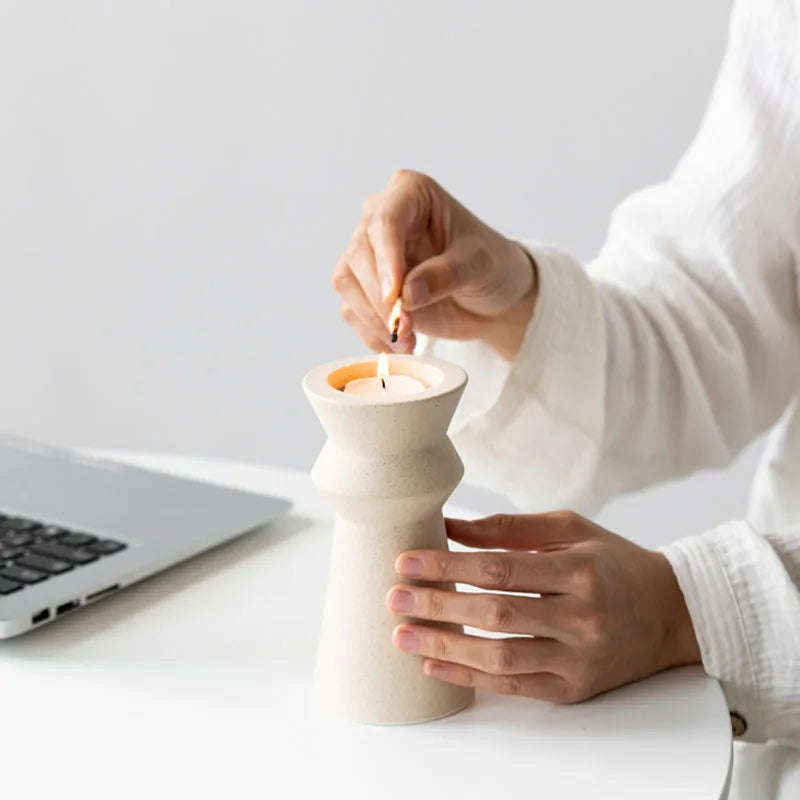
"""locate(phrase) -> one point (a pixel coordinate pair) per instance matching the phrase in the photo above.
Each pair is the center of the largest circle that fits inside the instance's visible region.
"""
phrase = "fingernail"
(406, 640)
(387, 284)
(409, 566)
(417, 291)
(399, 346)
(435, 669)
(401, 600)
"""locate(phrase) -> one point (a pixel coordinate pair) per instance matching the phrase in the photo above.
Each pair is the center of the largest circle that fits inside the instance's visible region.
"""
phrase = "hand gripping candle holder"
(387, 468)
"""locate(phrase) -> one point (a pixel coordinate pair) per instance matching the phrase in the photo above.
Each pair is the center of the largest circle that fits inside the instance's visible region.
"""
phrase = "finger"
(523, 531)
(435, 278)
(387, 237)
(510, 656)
(540, 685)
(359, 259)
(355, 303)
(402, 207)
(490, 612)
(404, 345)
(366, 334)
(405, 323)
(543, 573)
(351, 291)
(464, 266)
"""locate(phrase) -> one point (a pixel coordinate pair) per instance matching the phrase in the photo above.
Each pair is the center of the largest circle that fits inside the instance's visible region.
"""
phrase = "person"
(668, 353)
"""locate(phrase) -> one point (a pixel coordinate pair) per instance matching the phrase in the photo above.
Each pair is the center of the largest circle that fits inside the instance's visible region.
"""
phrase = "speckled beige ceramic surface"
(387, 468)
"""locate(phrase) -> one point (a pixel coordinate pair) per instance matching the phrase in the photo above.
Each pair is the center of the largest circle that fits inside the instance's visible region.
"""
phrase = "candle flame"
(397, 310)
(383, 366)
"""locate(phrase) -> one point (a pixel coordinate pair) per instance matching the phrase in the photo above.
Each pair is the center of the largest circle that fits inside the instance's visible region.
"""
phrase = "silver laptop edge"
(161, 519)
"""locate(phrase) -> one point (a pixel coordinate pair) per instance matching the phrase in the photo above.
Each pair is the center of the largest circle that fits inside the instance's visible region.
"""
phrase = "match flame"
(383, 366)
(397, 310)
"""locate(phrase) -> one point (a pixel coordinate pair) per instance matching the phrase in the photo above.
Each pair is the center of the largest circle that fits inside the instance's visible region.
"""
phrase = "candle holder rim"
(315, 381)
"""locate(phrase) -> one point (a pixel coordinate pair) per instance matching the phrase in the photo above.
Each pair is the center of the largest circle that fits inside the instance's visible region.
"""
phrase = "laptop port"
(102, 593)
(40, 616)
(65, 607)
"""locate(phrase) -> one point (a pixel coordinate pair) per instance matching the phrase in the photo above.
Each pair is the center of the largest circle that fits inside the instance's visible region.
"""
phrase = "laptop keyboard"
(32, 552)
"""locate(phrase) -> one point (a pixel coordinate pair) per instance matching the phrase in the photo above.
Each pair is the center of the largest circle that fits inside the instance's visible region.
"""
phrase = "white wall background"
(178, 178)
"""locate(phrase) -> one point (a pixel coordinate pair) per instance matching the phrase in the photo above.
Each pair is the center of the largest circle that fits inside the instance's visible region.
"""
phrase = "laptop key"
(105, 547)
(23, 574)
(19, 524)
(6, 586)
(63, 553)
(51, 532)
(43, 563)
(7, 553)
(76, 539)
(16, 538)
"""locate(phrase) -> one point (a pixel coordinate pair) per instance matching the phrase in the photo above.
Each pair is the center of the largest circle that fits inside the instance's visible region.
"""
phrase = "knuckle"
(591, 582)
(469, 678)
(340, 279)
(498, 613)
(503, 522)
(565, 518)
(448, 275)
(441, 648)
(590, 576)
(495, 572)
(435, 605)
(578, 689)
(402, 175)
(567, 694)
(348, 315)
(412, 181)
(369, 204)
(383, 220)
(510, 684)
(502, 658)
(594, 630)
(440, 569)
(354, 250)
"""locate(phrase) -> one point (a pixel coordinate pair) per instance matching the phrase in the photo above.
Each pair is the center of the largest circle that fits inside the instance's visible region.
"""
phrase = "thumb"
(461, 266)
(551, 531)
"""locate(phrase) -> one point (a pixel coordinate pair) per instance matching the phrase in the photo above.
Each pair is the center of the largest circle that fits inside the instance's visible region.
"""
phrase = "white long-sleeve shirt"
(668, 353)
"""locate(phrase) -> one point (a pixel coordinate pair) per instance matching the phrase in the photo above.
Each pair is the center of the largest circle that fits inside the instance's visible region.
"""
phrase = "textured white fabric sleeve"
(678, 344)
(668, 353)
(741, 589)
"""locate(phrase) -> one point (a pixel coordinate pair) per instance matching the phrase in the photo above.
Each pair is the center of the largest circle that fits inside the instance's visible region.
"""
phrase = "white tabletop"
(197, 684)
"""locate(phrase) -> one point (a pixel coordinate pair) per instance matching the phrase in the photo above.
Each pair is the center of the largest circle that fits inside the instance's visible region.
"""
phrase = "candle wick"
(383, 383)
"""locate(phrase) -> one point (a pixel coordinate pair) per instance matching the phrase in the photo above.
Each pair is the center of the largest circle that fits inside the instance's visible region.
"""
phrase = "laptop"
(75, 529)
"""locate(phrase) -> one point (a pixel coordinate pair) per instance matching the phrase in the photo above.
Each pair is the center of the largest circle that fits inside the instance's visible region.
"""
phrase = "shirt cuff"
(531, 429)
(701, 565)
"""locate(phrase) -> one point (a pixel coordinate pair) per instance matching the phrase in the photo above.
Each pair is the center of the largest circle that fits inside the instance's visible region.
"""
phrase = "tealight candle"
(384, 386)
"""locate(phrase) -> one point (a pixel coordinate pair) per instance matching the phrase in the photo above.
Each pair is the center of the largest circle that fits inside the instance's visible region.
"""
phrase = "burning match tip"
(394, 320)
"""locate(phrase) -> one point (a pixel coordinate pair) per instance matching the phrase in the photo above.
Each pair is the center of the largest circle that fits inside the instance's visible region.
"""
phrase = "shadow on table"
(618, 708)
(49, 640)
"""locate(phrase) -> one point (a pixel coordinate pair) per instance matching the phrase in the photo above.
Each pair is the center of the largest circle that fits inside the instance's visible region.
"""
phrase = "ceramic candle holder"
(387, 468)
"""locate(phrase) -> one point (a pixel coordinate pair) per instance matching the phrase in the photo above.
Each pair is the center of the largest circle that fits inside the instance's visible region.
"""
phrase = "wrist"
(680, 645)
(505, 332)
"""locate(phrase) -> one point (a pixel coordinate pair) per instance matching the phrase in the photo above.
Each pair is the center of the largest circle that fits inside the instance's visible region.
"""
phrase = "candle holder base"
(387, 468)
